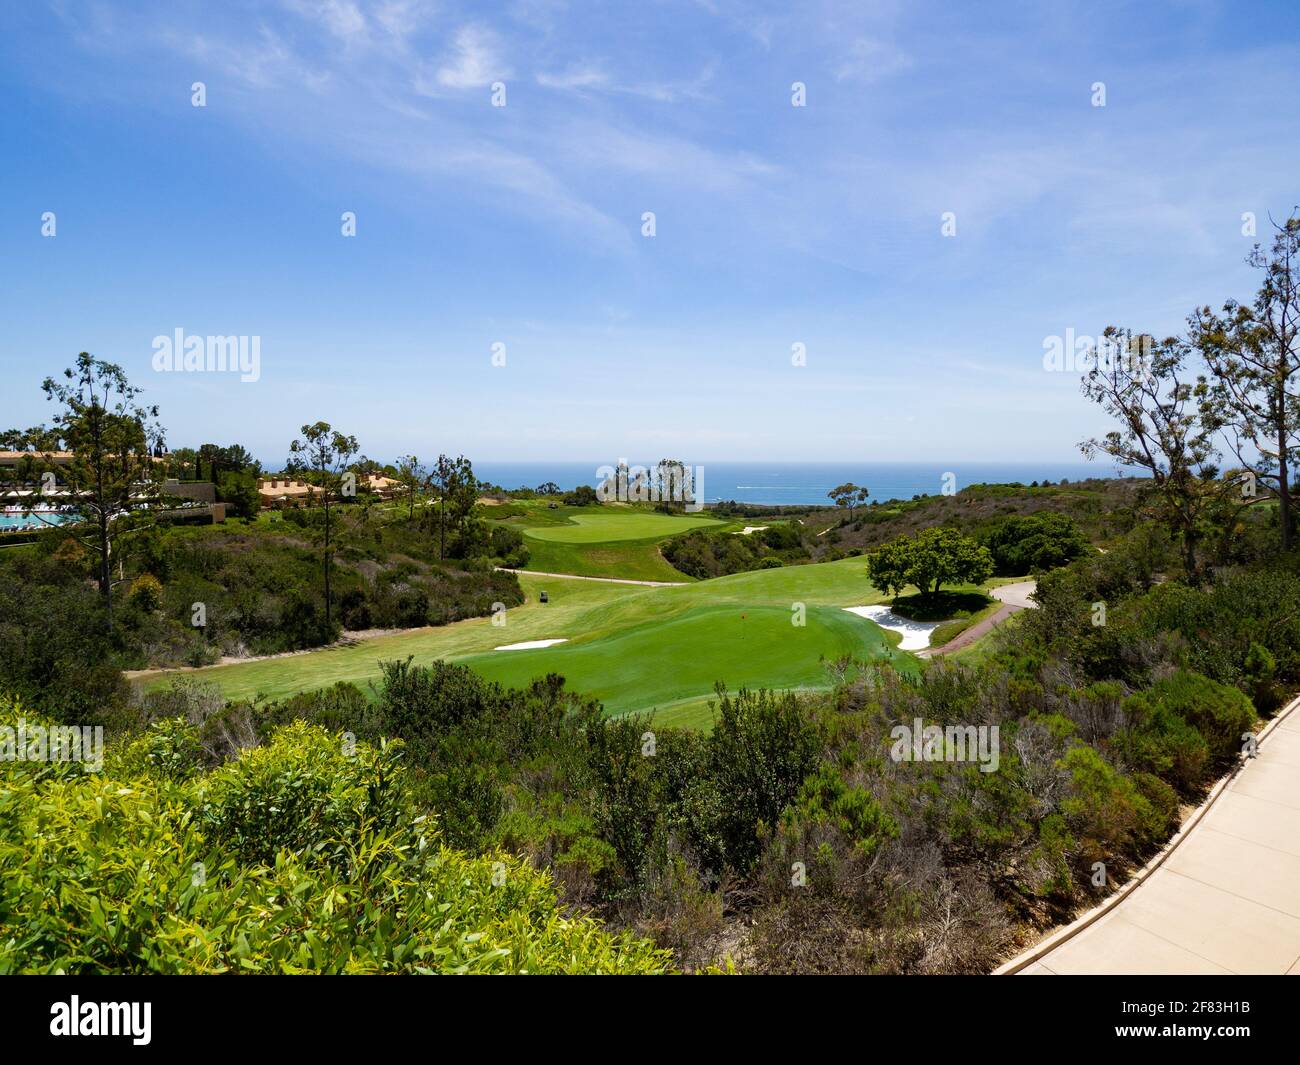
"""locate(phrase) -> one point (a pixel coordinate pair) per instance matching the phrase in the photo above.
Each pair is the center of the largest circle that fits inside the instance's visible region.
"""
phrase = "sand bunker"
(527, 645)
(916, 634)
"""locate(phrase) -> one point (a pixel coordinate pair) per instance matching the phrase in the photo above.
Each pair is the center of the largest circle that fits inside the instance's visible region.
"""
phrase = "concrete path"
(1014, 597)
(1223, 897)
(604, 580)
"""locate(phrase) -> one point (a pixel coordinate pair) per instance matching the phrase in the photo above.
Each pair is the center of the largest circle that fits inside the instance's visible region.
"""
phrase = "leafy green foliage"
(1032, 543)
(928, 560)
(705, 553)
(1105, 809)
(151, 874)
(761, 749)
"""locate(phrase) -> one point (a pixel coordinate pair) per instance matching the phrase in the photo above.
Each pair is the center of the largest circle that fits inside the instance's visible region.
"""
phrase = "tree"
(326, 451)
(461, 498)
(112, 476)
(845, 495)
(1253, 354)
(209, 455)
(550, 488)
(238, 489)
(1147, 390)
(443, 472)
(237, 457)
(1031, 543)
(582, 496)
(930, 559)
(182, 462)
(673, 480)
(413, 476)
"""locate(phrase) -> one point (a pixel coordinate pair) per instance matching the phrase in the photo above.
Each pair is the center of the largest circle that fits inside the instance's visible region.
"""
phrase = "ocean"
(806, 483)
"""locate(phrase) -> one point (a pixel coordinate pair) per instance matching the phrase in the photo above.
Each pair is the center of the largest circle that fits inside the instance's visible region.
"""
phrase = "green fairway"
(659, 663)
(613, 523)
(604, 541)
(637, 648)
(634, 560)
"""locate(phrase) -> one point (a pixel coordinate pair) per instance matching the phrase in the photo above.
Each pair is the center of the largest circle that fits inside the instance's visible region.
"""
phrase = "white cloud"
(575, 77)
(342, 18)
(870, 60)
(477, 61)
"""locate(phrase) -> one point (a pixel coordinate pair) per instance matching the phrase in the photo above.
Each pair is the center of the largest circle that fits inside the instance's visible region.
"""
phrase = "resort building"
(280, 492)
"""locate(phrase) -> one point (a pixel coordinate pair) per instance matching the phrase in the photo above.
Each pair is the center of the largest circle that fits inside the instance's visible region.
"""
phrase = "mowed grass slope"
(606, 541)
(660, 664)
(635, 648)
(615, 523)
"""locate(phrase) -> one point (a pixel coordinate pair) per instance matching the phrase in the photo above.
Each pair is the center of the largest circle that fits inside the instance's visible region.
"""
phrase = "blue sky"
(522, 225)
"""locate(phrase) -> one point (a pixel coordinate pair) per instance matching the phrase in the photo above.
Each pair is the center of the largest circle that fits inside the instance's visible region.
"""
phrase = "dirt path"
(1014, 597)
(604, 580)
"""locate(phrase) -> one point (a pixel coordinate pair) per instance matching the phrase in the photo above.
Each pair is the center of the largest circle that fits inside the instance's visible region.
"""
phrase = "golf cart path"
(1223, 896)
(603, 580)
(1014, 597)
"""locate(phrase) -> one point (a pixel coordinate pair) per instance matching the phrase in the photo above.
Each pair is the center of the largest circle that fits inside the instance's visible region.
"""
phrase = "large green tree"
(457, 488)
(1150, 390)
(847, 494)
(1253, 354)
(930, 559)
(111, 483)
(414, 478)
(325, 451)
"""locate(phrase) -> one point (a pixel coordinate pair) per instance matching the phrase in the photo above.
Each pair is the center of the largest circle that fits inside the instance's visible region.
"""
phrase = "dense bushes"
(238, 871)
(791, 836)
(1031, 543)
(1183, 725)
(55, 648)
(256, 590)
(706, 554)
(793, 813)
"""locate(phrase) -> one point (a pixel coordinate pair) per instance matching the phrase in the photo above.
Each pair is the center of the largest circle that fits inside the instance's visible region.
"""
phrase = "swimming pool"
(12, 522)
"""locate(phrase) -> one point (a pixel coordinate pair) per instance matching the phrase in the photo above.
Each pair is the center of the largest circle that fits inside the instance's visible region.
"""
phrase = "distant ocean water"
(799, 483)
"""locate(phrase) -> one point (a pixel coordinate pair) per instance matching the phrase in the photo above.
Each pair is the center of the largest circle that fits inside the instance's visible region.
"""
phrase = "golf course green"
(608, 525)
(635, 648)
(660, 664)
(609, 541)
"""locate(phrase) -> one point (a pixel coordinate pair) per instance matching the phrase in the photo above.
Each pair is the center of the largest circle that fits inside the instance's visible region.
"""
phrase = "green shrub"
(1105, 809)
(1220, 713)
(309, 792)
(825, 799)
(168, 750)
(1158, 740)
(1032, 543)
(761, 749)
(102, 873)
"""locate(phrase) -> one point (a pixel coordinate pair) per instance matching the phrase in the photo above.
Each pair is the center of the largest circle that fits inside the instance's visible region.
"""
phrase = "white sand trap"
(916, 634)
(527, 645)
(752, 529)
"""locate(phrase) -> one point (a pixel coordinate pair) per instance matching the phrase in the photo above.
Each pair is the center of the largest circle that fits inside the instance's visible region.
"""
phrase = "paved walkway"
(1224, 898)
(1013, 597)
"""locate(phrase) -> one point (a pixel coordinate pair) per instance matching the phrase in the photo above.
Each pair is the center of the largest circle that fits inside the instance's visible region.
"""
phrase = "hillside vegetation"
(304, 855)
